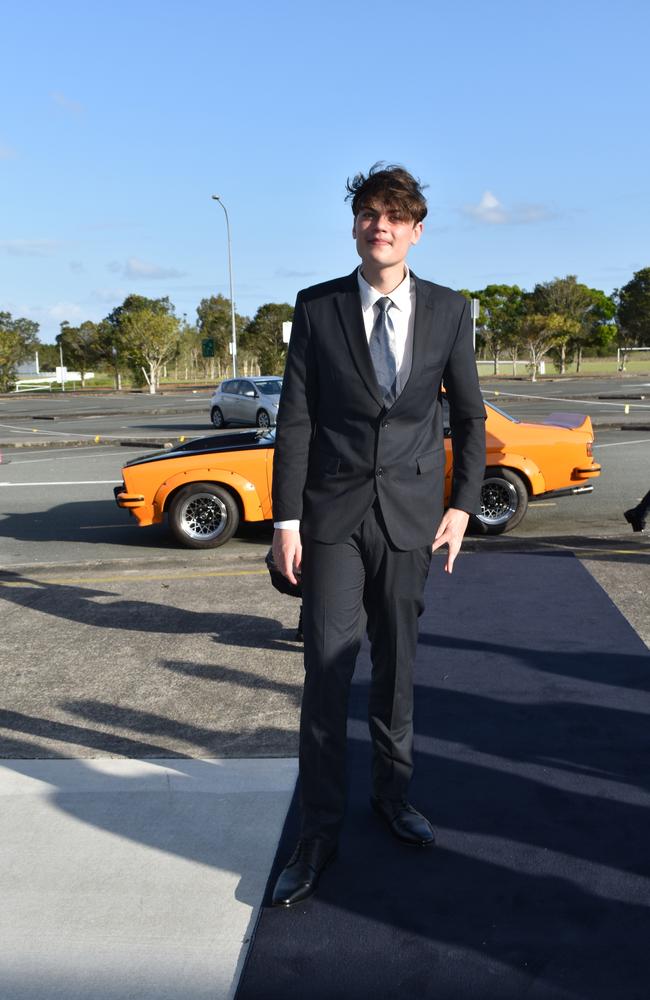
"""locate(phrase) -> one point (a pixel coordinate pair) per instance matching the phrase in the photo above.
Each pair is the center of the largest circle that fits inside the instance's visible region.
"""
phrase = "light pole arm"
(216, 197)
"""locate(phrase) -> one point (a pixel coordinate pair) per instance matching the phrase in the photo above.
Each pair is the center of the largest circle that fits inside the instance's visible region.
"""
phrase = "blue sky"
(118, 121)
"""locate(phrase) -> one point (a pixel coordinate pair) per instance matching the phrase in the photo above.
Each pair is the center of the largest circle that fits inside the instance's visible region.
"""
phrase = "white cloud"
(66, 310)
(138, 270)
(490, 211)
(29, 248)
(109, 295)
(75, 107)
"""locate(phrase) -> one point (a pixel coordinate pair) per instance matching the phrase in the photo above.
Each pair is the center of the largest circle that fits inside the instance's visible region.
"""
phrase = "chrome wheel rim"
(263, 419)
(499, 501)
(217, 418)
(203, 516)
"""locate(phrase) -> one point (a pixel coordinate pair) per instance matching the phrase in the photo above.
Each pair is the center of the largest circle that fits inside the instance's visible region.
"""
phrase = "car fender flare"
(242, 489)
(528, 469)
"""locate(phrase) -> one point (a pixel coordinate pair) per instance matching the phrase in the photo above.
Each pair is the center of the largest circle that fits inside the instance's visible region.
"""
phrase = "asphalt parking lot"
(82, 585)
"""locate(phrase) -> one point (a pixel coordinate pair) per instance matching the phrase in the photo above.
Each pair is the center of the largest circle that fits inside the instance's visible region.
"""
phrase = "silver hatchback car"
(246, 401)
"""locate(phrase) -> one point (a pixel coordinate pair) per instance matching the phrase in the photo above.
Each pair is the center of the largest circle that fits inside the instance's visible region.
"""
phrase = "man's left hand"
(450, 533)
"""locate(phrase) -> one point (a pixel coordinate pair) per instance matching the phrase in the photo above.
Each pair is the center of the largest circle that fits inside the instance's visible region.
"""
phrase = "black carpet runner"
(533, 762)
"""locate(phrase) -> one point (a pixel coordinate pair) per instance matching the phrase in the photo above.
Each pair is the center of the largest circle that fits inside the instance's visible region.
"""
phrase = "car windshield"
(270, 388)
(502, 412)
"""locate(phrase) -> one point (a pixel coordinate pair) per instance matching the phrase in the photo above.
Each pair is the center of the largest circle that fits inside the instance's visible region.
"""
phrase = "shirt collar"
(400, 296)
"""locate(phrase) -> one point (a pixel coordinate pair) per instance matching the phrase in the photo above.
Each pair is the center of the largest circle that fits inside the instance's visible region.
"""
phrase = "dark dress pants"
(338, 582)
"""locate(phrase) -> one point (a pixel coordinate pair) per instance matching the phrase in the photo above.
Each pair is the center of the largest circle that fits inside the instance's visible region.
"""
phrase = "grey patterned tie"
(382, 350)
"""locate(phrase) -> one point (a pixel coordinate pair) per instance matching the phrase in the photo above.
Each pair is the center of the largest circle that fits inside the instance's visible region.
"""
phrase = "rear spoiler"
(572, 421)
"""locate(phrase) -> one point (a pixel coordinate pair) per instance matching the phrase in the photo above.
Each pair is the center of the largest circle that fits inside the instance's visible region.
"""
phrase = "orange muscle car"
(208, 485)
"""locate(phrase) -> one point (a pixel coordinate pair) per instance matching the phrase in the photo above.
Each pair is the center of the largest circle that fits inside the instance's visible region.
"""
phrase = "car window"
(246, 388)
(228, 387)
(503, 413)
(270, 388)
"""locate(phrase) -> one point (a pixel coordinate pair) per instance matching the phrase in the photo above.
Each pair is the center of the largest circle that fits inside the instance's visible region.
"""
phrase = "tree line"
(146, 339)
(561, 319)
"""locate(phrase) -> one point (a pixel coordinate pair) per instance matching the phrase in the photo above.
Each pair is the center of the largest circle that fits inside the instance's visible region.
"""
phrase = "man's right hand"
(287, 553)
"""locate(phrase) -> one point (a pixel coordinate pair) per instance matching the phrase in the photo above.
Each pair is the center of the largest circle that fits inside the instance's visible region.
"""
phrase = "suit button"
(379, 472)
(385, 424)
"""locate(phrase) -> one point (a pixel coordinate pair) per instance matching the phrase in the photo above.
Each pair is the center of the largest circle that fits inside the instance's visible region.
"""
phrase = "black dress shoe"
(633, 517)
(300, 877)
(405, 822)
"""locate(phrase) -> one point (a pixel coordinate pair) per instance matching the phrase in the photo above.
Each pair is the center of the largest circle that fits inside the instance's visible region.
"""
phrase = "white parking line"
(569, 402)
(43, 432)
(68, 458)
(619, 444)
(76, 482)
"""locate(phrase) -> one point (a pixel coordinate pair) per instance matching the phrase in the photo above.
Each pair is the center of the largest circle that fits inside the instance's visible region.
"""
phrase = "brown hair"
(392, 186)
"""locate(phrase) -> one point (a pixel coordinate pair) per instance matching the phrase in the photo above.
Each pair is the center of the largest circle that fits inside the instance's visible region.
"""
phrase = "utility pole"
(233, 346)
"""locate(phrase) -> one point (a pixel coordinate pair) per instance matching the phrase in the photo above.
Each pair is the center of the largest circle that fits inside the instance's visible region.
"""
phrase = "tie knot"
(384, 304)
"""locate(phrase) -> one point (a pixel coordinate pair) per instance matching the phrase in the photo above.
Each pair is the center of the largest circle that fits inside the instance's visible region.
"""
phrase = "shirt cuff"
(288, 525)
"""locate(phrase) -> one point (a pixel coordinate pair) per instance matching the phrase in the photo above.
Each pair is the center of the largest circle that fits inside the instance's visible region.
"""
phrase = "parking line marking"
(78, 482)
(66, 458)
(132, 576)
(571, 402)
(618, 444)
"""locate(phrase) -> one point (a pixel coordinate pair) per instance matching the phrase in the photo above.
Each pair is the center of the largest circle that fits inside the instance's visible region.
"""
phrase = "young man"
(358, 500)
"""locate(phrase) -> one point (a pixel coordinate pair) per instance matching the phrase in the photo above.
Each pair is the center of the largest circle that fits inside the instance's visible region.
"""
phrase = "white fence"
(46, 380)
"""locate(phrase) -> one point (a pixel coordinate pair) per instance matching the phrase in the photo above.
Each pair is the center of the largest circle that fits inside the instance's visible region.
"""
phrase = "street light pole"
(216, 197)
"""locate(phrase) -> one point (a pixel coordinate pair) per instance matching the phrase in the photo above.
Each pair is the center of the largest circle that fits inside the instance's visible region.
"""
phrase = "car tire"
(216, 417)
(504, 501)
(263, 419)
(203, 516)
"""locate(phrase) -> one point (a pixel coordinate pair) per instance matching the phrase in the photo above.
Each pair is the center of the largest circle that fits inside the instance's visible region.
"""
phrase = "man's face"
(383, 236)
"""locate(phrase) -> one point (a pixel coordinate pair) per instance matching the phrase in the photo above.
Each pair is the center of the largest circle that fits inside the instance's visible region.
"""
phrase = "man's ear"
(417, 233)
(354, 228)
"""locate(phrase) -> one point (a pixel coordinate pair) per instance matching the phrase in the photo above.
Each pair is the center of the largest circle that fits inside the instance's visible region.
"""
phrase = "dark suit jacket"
(337, 445)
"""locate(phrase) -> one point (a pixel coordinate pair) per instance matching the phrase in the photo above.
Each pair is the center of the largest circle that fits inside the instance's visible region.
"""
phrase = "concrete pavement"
(134, 879)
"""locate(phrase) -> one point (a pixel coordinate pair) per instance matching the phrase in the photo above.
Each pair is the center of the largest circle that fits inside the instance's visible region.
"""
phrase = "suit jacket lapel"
(348, 304)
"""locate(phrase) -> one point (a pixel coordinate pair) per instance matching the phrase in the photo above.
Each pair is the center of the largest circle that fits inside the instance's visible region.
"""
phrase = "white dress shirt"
(402, 315)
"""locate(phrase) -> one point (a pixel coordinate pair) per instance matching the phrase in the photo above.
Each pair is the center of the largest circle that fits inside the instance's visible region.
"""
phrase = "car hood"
(237, 441)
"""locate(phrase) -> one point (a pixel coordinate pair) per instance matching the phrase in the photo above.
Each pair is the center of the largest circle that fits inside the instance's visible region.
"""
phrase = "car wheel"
(203, 515)
(263, 419)
(504, 500)
(217, 418)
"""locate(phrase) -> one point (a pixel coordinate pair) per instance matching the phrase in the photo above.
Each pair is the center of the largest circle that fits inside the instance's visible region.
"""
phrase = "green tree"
(598, 331)
(215, 322)
(80, 346)
(499, 318)
(633, 313)
(563, 297)
(146, 333)
(540, 332)
(263, 336)
(18, 340)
